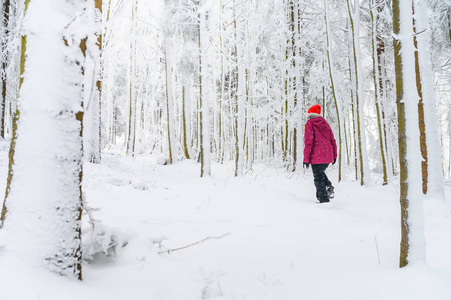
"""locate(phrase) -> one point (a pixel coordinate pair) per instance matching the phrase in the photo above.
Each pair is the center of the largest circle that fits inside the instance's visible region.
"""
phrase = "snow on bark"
(435, 172)
(91, 124)
(173, 153)
(240, 90)
(410, 98)
(42, 225)
(360, 94)
(337, 101)
(205, 86)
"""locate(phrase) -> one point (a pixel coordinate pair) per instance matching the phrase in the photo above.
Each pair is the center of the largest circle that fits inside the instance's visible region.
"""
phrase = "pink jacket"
(319, 142)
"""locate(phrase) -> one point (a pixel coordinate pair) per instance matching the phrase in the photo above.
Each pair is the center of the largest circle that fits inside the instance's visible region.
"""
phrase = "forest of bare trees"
(230, 81)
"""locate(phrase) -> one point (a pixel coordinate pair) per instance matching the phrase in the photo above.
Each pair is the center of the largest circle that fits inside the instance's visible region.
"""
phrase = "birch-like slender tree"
(432, 162)
(131, 140)
(376, 45)
(354, 17)
(168, 59)
(204, 92)
(332, 76)
(92, 115)
(407, 99)
(4, 61)
(239, 89)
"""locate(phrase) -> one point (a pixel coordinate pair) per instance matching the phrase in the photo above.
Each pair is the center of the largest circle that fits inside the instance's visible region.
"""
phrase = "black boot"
(330, 192)
(321, 181)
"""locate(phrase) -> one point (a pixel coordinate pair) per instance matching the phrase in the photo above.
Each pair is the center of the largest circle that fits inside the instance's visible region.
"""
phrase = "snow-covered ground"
(261, 236)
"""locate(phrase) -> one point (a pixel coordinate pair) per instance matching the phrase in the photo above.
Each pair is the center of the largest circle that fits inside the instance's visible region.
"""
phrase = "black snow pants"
(321, 182)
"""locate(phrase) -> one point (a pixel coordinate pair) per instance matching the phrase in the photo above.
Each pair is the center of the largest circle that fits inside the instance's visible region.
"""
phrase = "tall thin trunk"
(363, 157)
(12, 148)
(294, 20)
(204, 133)
(185, 143)
(433, 182)
(377, 93)
(131, 141)
(239, 93)
(222, 88)
(412, 248)
(421, 124)
(4, 53)
(99, 83)
(332, 82)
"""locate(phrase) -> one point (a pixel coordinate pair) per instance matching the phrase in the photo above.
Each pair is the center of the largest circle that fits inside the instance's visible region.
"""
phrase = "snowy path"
(280, 243)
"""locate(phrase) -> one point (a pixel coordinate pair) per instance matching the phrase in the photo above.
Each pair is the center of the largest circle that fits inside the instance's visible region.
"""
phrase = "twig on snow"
(169, 251)
(377, 248)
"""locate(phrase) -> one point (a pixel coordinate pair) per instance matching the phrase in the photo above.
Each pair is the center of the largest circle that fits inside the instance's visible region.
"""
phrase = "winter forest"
(154, 149)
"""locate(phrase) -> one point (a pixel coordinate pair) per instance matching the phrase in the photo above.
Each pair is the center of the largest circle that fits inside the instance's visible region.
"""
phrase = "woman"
(320, 149)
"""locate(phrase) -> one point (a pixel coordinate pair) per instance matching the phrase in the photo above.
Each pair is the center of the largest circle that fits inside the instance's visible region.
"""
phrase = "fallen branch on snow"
(169, 251)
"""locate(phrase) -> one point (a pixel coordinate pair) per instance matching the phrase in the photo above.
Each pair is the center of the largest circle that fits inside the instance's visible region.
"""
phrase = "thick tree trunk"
(43, 204)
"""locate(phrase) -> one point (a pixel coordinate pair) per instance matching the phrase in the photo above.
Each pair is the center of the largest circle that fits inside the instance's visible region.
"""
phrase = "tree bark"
(412, 248)
(377, 50)
(4, 49)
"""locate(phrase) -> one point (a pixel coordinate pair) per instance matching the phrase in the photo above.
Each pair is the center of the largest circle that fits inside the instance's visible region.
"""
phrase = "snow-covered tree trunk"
(354, 16)
(185, 125)
(4, 61)
(435, 181)
(131, 139)
(92, 120)
(97, 130)
(407, 99)
(172, 143)
(42, 225)
(334, 92)
(375, 42)
(294, 9)
(221, 141)
(204, 91)
(240, 91)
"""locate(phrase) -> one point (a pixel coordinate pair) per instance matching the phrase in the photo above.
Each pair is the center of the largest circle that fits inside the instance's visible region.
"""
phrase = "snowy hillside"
(262, 236)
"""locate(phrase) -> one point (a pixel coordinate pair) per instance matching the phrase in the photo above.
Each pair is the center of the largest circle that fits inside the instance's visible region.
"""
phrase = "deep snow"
(277, 242)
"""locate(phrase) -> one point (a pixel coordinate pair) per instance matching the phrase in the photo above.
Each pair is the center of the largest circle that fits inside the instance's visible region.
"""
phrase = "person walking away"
(320, 149)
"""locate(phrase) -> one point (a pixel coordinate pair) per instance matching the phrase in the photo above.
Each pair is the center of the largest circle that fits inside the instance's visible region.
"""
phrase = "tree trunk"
(376, 49)
(433, 182)
(363, 156)
(204, 133)
(4, 53)
(412, 223)
(185, 143)
(12, 148)
(131, 140)
(239, 94)
(44, 195)
(99, 83)
(332, 82)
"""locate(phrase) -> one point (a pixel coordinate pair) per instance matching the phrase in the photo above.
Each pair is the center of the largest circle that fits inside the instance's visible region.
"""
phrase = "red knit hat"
(314, 109)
